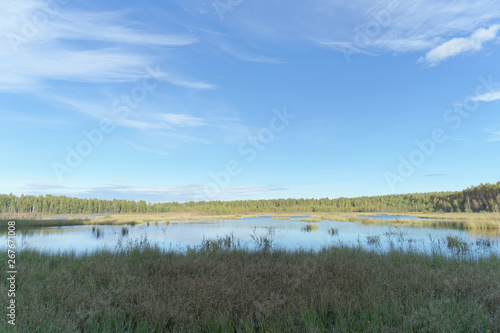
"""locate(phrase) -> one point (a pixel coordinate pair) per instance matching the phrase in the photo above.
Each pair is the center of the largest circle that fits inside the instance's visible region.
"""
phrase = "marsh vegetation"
(220, 286)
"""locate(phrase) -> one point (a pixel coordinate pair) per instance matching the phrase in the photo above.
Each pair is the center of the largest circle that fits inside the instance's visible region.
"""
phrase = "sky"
(186, 100)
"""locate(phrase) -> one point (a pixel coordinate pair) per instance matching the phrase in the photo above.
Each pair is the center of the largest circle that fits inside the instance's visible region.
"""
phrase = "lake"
(288, 234)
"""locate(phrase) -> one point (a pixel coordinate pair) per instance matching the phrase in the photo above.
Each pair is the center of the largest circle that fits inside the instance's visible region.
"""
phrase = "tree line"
(482, 198)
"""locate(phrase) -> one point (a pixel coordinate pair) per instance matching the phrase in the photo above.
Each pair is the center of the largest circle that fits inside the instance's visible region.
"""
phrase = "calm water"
(286, 234)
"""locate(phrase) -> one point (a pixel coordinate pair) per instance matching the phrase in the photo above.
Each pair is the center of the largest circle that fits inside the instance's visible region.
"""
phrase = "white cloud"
(43, 44)
(181, 192)
(247, 56)
(181, 120)
(111, 28)
(459, 45)
(488, 97)
(175, 80)
(135, 119)
(358, 26)
(44, 186)
(187, 192)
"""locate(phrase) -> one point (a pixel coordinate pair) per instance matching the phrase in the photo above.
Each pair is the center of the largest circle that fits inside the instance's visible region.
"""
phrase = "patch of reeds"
(333, 231)
(97, 232)
(360, 219)
(310, 227)
(311, 219)
(373, 240)
(457, 244)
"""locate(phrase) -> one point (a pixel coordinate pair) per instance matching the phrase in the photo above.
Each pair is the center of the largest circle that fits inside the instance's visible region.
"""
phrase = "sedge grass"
(310, 227)
(311, 219)
(141, 288)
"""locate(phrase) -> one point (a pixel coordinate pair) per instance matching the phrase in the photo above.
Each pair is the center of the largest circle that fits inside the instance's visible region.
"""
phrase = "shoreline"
(465, 221)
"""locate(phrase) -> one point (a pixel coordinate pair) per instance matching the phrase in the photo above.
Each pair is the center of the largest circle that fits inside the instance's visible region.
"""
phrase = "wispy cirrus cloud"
(460, 45)
(488, 97)
(78, 46)
(181, 192)
(434, 175)
(248, 56)
(43, 186)
(113, 27)
(133, 119)
(360, 26)
(180, 120)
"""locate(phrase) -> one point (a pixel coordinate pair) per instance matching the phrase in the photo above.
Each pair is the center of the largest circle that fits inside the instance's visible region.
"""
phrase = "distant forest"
(482, 198)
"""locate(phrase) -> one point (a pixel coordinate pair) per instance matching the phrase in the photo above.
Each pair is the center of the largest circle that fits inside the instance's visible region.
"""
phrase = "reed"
(333, 231)
(311, 219)
(310, 227)
(373, 240)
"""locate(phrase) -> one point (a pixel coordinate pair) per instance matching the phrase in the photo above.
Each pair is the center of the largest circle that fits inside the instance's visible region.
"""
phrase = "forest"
(481, 198)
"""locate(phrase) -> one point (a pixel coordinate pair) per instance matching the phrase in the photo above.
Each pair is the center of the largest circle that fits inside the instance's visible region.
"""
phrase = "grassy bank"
(465, 221)
(221, 288)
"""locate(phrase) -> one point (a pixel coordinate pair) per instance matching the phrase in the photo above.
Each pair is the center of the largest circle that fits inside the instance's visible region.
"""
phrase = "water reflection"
(289, 234)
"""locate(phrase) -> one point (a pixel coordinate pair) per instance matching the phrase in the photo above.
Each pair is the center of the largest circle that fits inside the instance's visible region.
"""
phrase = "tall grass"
(309, 227)
(97, 232)
(454, 243)
(373, 240)
(45, 223)
(464, 221)
(311, 219)
(223, 288)
(124, 231)
(333, 231)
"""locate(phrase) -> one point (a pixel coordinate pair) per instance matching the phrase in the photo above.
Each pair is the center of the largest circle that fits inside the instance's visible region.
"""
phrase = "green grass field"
(218, 287)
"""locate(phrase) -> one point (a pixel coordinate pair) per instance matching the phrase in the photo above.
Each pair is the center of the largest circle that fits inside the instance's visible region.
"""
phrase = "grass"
(310, 227)
(457, 244)
(333, 231)
(124, 231)
(361, 219)
(98, 233)
(311, 219)
(219, 287)
(39, 220)
(45, 223)
(473, 223)
(373, 240)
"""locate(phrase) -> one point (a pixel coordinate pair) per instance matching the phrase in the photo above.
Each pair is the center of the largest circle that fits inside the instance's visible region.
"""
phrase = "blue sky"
(248, 99)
